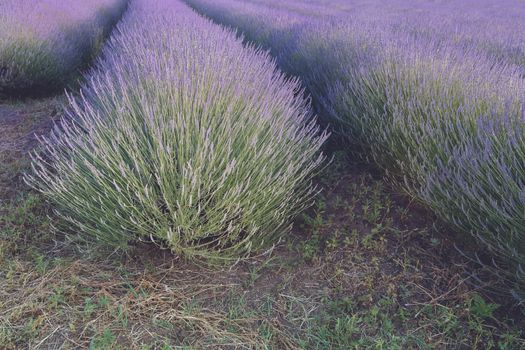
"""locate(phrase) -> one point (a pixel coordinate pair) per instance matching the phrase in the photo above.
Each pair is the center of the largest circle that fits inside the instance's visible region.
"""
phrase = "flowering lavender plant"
(429, 91)
(44, 43)
(184, 136)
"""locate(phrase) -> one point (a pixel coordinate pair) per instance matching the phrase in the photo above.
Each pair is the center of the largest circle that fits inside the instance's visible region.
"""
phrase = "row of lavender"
(183, 136)
(490, 27)
(443, 116)
(43, 44)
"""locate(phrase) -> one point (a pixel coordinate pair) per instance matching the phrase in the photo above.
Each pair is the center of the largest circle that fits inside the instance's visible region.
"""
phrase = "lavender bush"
(440, 110)
(183, 136)
(44, 43)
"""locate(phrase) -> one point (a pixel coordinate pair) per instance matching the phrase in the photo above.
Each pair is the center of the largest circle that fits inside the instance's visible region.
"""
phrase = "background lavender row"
(182, 136)
(43, 44)
(442, 114)
(493, 28)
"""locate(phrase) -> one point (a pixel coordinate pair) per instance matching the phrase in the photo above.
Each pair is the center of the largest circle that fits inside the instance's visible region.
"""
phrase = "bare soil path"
(20, 124)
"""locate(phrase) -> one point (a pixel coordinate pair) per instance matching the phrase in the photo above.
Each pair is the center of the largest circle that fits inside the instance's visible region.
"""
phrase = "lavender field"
(262, 174)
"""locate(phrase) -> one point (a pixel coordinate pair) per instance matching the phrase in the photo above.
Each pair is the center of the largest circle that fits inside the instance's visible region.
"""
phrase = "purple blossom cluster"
(184, 136)
(44, 43)
(432, 91)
